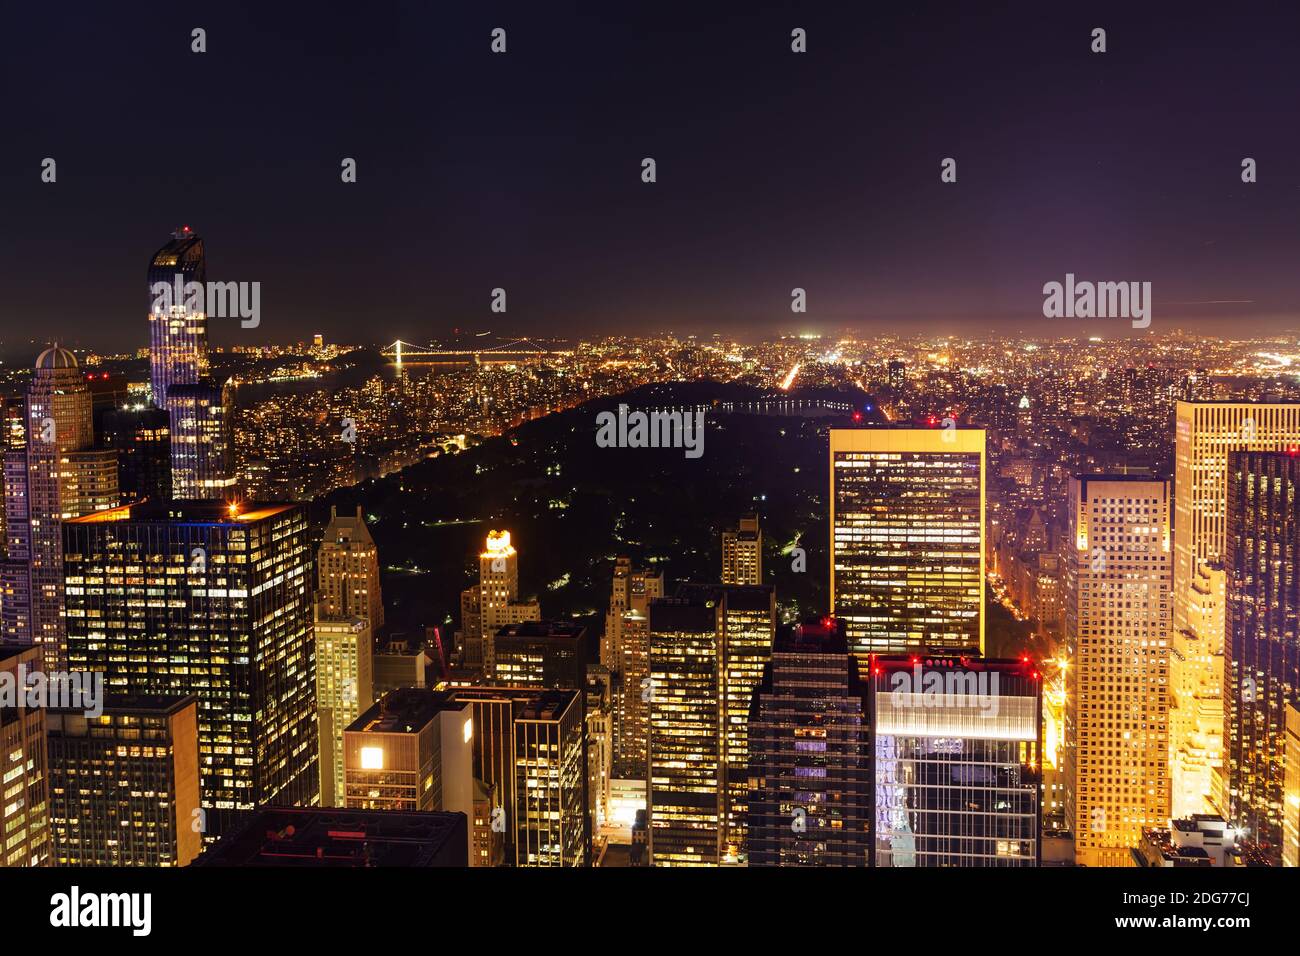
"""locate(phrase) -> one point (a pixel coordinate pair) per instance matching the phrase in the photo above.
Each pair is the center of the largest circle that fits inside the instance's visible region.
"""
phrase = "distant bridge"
(402, 352)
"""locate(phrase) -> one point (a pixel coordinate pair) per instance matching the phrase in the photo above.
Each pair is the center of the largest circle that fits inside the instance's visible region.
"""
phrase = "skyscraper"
(57, 475)
(1291, 789)
(625, 651)
(201, 598)
(24, 826)
(347, 570)
(907, 538)
(344, 688)
(957, 761)
(202, 441)
(1262, 645)
(178, 334)
(742, 553)
(530, 747)
(494, 602)
(1205, 433)
(124, 786)
(747, 626)
(708, 645)
(1117, 619)
(685, 778)
(809, 757)
(547, 654)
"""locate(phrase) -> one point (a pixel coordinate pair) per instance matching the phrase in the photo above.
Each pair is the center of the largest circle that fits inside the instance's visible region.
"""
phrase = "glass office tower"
(201, 598)
(1262, 646)
(907, 538)
(957, 770)
(178, 335)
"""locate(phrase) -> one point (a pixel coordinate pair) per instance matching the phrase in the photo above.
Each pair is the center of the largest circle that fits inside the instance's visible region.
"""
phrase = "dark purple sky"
(523, 171)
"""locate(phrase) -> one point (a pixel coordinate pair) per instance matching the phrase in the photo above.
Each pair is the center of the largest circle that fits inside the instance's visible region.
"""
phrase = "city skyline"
(649, 437)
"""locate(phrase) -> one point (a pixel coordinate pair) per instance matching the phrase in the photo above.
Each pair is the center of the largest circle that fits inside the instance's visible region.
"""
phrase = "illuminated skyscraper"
(907, 538)
(530, 747)
(708, 646)
(686, 777)
(625, 651)
(178, 335)
(809, 754)
(747, 622)
(202, 442)
(1117, 617)
(742, 553)
(494, 602)
(344, 688)
(24, 826)
(124, 786)
(957, 761)
(57, 475)
(200, 598)
(347, 570)
(347, 615)
(1205, 433)
(1262, 646)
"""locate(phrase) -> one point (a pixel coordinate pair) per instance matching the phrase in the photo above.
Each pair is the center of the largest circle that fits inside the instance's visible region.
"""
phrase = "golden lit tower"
(1117, 623)
(495, 599)
(1205, 433)
(347, 569)
(625, 651)
(907, 538)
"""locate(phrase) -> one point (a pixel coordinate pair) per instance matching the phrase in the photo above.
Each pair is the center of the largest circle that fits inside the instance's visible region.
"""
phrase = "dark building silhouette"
(809, 753)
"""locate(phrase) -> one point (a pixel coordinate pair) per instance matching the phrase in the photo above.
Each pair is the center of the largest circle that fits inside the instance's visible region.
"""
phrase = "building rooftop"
(56, 356)
(334, 837)
(160, 705)
(551, 629)
(406, 710)
(194, 512)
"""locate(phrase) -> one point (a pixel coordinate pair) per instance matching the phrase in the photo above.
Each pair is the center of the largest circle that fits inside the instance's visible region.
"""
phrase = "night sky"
(523, 170)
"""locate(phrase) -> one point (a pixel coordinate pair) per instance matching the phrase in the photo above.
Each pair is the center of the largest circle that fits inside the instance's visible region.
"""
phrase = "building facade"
(957, 762)
(1205, 433)
(1262, 638)
(24, 826)
(907, 538)
(124, 786)
(178, 334)
(742, 553)
(1117, 628)
(809, 754)
(202, 598)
